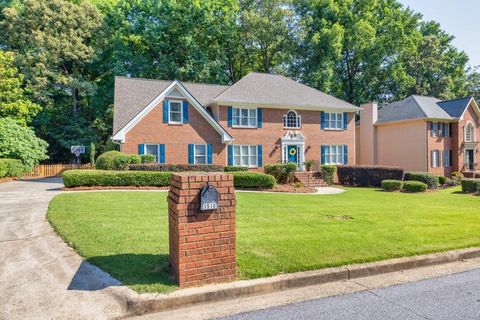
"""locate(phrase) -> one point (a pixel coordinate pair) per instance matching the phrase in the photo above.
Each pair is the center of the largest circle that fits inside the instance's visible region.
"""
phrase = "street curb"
(148, 303)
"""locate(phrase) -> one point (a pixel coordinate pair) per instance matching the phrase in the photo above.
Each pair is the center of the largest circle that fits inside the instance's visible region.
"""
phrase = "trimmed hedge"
(79, 178)
(442, 180)
(235, 168)
(470, 185)
(122, 161)
(106, 160)
(367, 176)
(175, 167)
(11, 168)
(429, 179)
(392, 185)
(242, 179)
(414, 186)
(147, 158)
(283, 172)
(328, 173)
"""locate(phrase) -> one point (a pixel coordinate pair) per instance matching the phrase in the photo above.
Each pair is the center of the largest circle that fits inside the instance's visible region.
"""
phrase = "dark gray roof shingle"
(455, 108)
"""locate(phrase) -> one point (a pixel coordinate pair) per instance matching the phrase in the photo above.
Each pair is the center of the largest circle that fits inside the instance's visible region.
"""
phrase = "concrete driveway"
(40, 276)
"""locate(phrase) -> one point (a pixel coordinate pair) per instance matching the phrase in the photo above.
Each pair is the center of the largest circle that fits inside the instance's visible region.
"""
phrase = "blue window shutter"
(323, 153)
(165, 111)
(190, 154)
(345, 154)
(230, 155)
(185, 111)
(259, 117)
(141, 149)
(161, 152)
(230, 116)
(209, 153)
(260, 155)
(322, 122)
(345, 121)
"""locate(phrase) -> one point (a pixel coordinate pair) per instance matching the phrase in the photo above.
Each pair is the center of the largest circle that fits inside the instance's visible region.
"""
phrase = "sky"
(459, 18)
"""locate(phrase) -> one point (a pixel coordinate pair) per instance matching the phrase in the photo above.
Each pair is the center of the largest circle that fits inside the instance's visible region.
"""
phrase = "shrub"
(328, 173)
(255, 180)
(442, 180)
(147, 158)
(414, 186)
(106, 160)
(235, 168)
(175, 167)
(11, 168)
(451, 182)
(429, 179)
(121, 162)
(135, 158)
(392, 185)
(79, 178)
(283, 172)
(470, 185)
(457, 177)
(367, 176)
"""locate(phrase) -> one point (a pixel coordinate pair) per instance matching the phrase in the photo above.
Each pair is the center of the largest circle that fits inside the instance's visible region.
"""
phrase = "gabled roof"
(125, 117)
(413, 107)
(132, 95)
(269, 90)
(455, 108)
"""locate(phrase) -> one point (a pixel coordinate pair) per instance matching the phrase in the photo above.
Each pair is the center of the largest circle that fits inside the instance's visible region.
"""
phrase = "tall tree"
(13, 100)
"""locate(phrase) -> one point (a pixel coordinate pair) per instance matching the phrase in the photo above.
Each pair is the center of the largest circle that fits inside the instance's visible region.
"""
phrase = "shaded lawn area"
(125, 233)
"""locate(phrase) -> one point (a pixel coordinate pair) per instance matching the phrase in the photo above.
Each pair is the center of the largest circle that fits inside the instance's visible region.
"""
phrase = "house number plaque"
(208, 198)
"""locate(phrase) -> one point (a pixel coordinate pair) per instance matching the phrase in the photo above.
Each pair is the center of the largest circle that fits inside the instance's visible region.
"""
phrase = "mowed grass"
(126, 234)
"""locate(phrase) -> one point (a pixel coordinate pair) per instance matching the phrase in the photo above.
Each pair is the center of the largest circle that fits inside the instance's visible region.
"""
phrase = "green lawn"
(125, 233)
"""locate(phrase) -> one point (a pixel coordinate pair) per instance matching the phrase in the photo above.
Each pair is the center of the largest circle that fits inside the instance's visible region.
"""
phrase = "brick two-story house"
(262, 118)
(421, 134)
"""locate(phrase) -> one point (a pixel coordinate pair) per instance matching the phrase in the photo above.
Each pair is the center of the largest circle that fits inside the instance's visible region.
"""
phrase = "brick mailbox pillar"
(202, 243)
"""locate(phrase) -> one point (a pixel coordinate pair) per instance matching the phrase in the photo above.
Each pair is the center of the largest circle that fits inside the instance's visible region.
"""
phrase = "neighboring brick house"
(421, 134)
(261, 119)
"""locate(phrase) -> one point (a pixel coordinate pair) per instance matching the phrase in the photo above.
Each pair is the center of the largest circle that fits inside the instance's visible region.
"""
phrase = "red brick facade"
(202, 243)
(176, 138)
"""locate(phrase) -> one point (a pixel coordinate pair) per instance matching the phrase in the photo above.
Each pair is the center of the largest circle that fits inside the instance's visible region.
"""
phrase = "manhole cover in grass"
(341, 217)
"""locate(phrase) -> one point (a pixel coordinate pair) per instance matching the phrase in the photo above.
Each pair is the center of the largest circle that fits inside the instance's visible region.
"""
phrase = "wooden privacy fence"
(54, 170)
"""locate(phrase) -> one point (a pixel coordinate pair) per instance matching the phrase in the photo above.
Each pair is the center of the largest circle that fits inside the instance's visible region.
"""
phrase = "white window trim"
(342, 148)
(473, 138)
(329, 121)
(170, 110)
(240, 146)
(435, 164)
(157, 160)
(195, 151)
(240, 117)
(298, 120)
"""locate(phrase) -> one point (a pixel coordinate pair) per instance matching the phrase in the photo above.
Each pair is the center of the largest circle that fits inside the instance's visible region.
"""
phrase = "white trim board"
(120, 135)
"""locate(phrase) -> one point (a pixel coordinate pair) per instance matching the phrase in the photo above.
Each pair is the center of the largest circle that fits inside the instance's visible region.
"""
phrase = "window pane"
(252, 122)
(200, 160)
(199, 150)
(236, 121)
(236, 150)
(236, 112)
(152, 149)
(236, 160)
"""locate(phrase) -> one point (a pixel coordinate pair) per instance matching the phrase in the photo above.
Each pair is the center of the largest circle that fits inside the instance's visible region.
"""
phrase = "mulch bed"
(2, 180)
(114, 188)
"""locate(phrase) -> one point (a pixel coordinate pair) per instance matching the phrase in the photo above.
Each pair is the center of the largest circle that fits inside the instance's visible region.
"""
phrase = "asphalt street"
(449, 297)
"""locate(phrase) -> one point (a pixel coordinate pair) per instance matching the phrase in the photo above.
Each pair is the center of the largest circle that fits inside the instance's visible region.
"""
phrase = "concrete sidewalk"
(40, 276)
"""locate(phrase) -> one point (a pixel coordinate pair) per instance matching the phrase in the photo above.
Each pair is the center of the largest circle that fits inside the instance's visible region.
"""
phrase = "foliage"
(429, 179)
(457, 177)
(414, 186)
(106, 160)
(92, 154)
(470, 185)
(80, 178)
(19, 142)
(147, 158)
(367, 176)
(309, 164)
(442, 180)
(283, 172)
(328, 173)
(254, 180)
(235, 168)
(121, 162)
(11, 168)
(392, 185)
(13, 100)
(131, 230)
(175, 167)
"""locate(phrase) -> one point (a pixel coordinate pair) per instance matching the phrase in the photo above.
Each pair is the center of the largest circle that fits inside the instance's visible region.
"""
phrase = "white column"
(302, 156)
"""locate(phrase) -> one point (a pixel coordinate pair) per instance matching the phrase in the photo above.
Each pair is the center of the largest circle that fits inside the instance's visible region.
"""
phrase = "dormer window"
(469, 133)
(291, 120)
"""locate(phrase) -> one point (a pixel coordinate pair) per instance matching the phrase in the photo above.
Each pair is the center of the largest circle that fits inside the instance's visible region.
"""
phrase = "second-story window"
(244, 117)
(440, 129)
(333, 121)
(175, 113)
(469, 133)
(292, 120)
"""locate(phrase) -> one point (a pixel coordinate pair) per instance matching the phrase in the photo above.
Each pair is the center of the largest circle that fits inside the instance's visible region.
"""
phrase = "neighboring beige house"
(421, 134)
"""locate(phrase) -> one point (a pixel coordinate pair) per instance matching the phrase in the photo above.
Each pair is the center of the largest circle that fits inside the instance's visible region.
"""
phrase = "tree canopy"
(65, 54)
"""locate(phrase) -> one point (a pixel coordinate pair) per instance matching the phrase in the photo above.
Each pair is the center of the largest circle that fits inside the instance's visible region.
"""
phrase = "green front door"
(292, 154)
